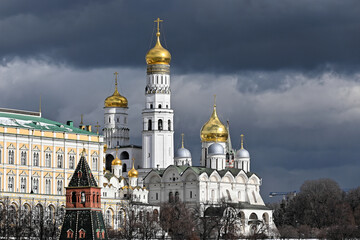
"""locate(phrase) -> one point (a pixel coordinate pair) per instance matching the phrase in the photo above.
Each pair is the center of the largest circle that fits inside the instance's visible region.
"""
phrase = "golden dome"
(116, 100)
(158, 54)
(133, 172)
(213, 130)
(116, 161)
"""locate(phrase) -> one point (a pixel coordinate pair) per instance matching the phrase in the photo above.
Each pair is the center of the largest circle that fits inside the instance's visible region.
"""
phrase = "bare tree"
(177, 220)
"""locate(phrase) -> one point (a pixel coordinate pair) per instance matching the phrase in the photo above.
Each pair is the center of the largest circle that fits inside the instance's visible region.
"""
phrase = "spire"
(40, 105)
(242, 141)
(97, 127)
(228, 145)
(82, 176)
(182, 140)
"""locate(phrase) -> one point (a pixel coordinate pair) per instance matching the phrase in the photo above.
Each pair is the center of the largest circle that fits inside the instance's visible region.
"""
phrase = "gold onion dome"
(116, 100)
(213, 130)
(158, 54)
(133, 172)
(116, 161)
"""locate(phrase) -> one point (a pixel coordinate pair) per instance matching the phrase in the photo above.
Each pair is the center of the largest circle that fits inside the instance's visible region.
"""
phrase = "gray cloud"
(202, 36)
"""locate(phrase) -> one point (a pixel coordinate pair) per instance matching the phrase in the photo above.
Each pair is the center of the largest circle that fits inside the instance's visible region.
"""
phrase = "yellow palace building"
(38, 157)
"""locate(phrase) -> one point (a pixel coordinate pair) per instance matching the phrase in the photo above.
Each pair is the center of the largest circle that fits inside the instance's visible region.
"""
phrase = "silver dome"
(242, 153)
(182, 153)
(215, 148)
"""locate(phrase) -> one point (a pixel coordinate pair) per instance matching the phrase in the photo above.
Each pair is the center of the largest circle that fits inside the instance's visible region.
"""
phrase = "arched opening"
(149, 125)
(159, 105)
(160, 124)
(109, 159)
(124, 167)
(177, 195)
(171, 197)
(151, 106)
(253, 222)
(156, 215)
(265, 218)
(124, 155)
(73, 197)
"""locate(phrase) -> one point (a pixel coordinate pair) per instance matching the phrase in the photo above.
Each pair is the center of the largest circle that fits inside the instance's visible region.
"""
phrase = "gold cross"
(116, 75)
(97, 127)
(116, 150)
(242, 141)
(158, 20)
(182, 140)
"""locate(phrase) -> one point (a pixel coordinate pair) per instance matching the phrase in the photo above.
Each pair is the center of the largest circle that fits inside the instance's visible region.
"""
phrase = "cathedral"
(38, 158)
(168, 175)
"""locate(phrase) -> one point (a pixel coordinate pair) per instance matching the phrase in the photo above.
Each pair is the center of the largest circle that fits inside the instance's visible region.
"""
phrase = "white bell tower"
(158, 132)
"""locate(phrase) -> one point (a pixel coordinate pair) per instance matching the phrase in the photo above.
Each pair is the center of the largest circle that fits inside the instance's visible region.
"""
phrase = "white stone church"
(224, 174)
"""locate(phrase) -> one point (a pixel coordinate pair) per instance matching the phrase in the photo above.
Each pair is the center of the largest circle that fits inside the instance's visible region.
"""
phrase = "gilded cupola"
(116, 161)
(133, 172)
(116, 100)
(158, 54)
(214, 130)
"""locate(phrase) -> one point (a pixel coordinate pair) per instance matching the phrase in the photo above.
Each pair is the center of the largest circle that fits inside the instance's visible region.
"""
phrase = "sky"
(286, 74)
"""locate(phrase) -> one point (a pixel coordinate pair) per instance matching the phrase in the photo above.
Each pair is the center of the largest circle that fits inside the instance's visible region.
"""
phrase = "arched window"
(83, 198)
(149, 125)
(177, 196)
(124, 155)
(160, 124)
(124, 167)
(59, 187)
(47, 186)
(156, 215)
(81, 234)
(151, 106)
(213, 195)
(59, 160)
(171, 197)
(94, 164)
(36, 159)
(71, 161)
(109, 119)
(159, 105)
(169, 125)
(35, 185)
(108, 218)
(23, 158)
(167, 106)
(11, 184)
(47, 160)
(11, 156)
(73, 197)
(23, 185)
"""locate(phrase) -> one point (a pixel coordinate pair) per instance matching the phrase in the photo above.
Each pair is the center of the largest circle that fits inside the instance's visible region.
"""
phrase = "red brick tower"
(83, 218)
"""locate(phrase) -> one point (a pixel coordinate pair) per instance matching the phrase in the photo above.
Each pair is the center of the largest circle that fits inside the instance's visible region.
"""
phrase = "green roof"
(28, 121)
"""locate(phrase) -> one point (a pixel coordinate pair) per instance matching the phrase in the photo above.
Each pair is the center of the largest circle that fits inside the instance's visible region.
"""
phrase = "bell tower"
(158, 133)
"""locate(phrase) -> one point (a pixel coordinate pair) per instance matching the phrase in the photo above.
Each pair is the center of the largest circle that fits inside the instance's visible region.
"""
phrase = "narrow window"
(59, 187)
(169, 125)
(160, 124)
(23, 185)
(151, 106)
(23, 158)
(190, 194)
(157, 196)
(59, 161)
(149, 125)
(159, 105)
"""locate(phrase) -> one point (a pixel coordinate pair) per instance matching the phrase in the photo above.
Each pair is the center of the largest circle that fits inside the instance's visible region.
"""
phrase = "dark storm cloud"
(216, 36)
